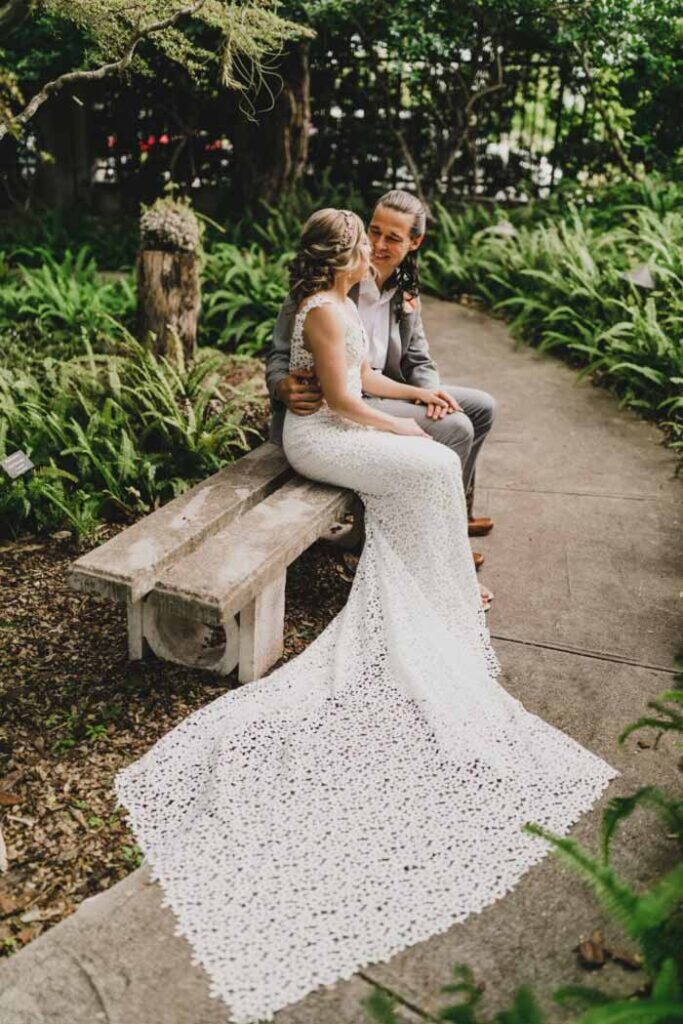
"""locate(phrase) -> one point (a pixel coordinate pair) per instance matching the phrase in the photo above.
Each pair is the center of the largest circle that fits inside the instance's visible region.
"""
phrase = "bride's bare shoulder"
(324, 319)
(318, 300)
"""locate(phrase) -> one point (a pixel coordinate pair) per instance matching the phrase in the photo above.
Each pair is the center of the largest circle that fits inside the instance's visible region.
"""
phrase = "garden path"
(583, 564)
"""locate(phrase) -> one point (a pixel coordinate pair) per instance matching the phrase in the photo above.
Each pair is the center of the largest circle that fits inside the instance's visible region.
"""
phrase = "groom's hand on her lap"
(300, 392)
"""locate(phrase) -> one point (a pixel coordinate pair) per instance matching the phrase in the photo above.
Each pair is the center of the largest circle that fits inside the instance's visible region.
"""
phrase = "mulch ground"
(75, 710)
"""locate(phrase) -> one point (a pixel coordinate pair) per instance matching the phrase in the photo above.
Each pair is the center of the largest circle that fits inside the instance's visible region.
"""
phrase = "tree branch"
(12, 13)
(104, 71)
(474, 98)
(415, 171)
(602, 109)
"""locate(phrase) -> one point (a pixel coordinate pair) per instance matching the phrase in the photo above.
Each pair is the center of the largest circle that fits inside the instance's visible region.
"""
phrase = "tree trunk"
(271, 153)
(64, 181)
(168, 303)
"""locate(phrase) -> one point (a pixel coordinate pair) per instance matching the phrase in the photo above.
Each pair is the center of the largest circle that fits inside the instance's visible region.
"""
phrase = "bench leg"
(348, 536)
(262, 626)
(138, 647)
(176, 638)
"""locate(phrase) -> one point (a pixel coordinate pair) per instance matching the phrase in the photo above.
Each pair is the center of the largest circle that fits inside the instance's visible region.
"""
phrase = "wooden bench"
(216, 556)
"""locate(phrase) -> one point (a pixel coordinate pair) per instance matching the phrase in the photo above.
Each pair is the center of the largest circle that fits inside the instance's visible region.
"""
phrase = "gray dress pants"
(464, 432)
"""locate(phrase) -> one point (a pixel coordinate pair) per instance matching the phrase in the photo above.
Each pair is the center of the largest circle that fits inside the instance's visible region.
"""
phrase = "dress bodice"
(354, 339)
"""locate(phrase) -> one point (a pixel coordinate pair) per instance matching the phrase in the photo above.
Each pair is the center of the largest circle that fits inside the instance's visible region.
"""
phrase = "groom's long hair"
(406, 276)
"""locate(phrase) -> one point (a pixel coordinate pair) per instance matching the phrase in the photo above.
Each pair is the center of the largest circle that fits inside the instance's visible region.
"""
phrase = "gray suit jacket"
(408, 362)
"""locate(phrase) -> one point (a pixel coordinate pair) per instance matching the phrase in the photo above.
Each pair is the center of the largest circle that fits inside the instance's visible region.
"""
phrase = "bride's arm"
(375, 383)
(324, 337)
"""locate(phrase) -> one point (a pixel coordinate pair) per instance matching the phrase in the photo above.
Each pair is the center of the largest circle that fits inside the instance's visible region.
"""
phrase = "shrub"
(564, 283)
(111, 435)
(242, 293)
(64, 294)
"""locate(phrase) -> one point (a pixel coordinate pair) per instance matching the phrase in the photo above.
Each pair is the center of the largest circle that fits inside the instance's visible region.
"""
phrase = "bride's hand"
(409, 428)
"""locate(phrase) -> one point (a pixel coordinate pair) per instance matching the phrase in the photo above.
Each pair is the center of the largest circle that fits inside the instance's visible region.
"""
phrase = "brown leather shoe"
(478, 560)
(479, 526)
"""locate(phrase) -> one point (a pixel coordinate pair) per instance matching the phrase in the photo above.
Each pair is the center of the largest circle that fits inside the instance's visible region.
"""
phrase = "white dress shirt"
(375, 312)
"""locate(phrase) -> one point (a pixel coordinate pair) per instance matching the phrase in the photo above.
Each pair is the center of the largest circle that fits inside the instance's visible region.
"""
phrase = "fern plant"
(66, 293)
(243, 291)
(112, 435)
(562, 279)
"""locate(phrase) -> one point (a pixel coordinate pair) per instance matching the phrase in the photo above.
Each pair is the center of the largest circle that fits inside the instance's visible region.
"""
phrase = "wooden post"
(168, 280)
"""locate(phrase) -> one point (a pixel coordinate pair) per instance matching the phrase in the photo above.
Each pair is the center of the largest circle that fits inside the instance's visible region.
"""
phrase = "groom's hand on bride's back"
(300, 392)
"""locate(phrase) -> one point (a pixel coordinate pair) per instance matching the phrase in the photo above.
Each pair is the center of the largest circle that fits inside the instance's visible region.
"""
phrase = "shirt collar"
(369, 290)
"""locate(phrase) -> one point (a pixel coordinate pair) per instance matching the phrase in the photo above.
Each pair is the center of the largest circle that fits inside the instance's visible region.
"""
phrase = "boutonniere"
(409, 303)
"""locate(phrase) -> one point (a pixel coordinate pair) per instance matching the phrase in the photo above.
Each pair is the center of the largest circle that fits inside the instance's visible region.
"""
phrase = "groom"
(397, 345)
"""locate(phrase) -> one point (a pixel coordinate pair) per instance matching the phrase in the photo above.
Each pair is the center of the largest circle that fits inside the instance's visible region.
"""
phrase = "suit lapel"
(395, 347)
(393, 364)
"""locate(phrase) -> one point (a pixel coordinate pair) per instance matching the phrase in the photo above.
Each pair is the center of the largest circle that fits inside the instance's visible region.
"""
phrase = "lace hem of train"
(342, 809)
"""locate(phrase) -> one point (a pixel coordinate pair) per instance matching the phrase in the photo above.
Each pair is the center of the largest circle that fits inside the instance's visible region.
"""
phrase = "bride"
(371, 792)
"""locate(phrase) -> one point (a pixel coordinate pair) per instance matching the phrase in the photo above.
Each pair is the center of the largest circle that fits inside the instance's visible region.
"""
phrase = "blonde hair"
(330, 244)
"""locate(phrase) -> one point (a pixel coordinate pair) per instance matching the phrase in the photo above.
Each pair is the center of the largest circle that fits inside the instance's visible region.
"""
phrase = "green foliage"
(112, 435)
(277, 228)
(422, 81)
(66, 293)
(246, 278)
(652, 918)
(668, 717)
(243, 291)
(630, 52)
(10, 93)
(380, 1007)
(56, 232)
(622, 807)
(213, 41)
(563, 283)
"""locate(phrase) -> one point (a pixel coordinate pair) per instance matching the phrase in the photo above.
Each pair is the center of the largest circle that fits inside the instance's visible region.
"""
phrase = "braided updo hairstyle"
(406, 276)
(330, 243)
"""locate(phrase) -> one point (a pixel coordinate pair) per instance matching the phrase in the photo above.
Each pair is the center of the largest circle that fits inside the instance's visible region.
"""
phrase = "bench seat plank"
(235, 564)
(126, 567)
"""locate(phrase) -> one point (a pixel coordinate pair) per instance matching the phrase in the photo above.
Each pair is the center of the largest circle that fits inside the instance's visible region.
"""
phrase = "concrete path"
(585, 562)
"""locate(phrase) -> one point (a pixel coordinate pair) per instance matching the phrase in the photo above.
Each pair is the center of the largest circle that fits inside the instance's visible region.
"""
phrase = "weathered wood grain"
(126, 567)
(238, 562)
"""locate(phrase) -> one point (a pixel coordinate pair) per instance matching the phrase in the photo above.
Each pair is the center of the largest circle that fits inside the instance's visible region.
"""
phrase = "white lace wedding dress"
(371, 792)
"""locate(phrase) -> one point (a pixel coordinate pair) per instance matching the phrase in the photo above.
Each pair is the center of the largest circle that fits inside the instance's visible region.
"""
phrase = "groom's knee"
(489, 408)
(480, 407)
(456, 431)
(482, 411)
